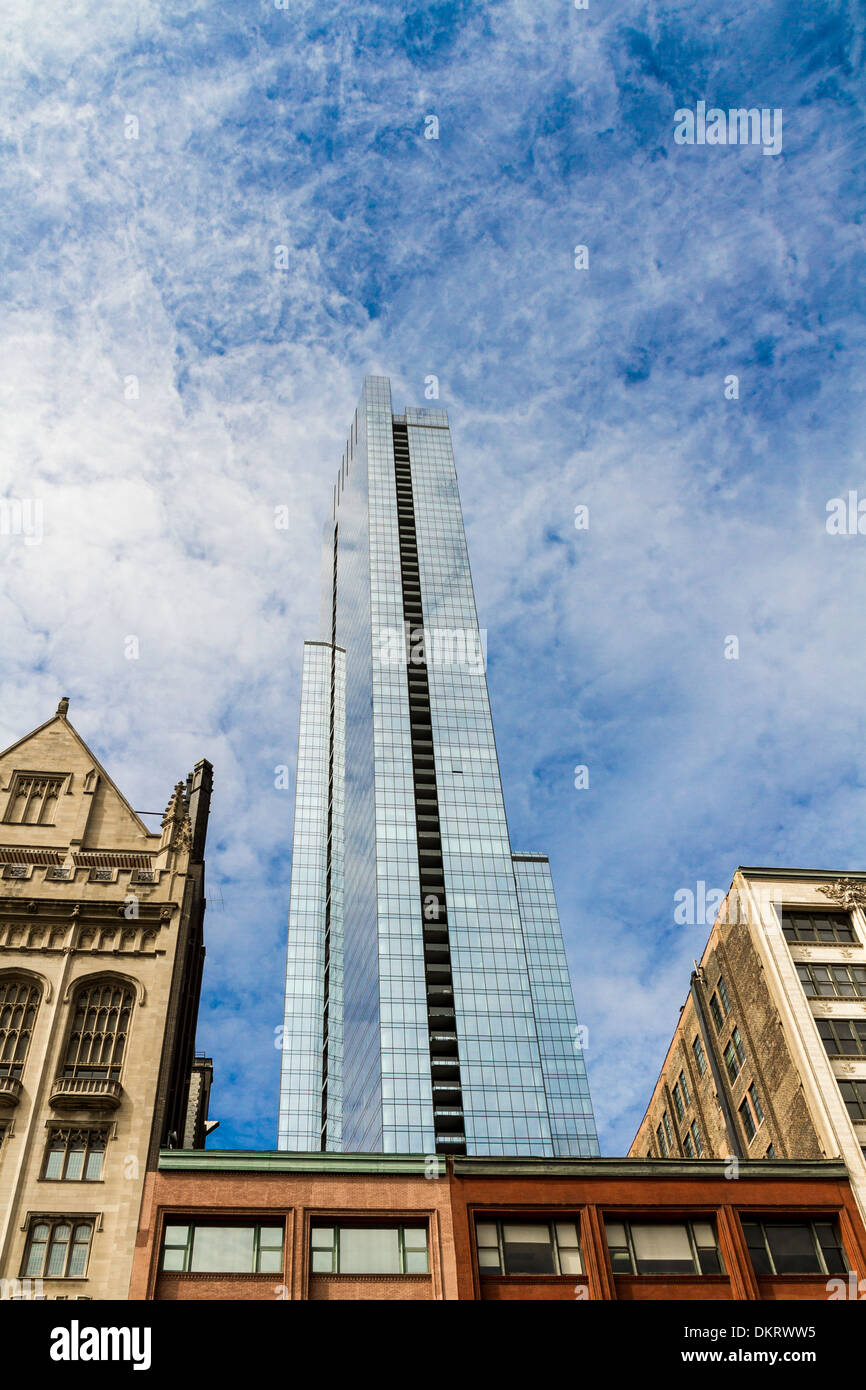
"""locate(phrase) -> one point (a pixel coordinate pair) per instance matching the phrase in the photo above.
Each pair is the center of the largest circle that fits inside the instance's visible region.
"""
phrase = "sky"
(216, 219)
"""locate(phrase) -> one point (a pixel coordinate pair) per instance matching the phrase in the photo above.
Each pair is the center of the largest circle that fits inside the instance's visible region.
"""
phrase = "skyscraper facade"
(428, 1001)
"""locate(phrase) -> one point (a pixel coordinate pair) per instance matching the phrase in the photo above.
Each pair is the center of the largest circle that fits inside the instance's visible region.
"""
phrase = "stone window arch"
(99, 1027)
(20, 998)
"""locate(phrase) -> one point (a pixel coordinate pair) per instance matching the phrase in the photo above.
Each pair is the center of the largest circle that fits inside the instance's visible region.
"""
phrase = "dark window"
(771, 1152)
(33, 799)
(854, 1096)
(696, 1136)
(528, 1247)
(756, 1103)
(369, 1250)
(193, 1247)
(668, 1131)
(723, 995)
(731, 1062)
(716, 1012)
(75, 1155)
(833, 981)
(738, 1046)
(57, 1248)
(817, 926)
(746, 1120)
(794, 1247)
(684, 1087)
(656, 1247)
(701, 1060)
(660, 1140)
(678, 1101)
(100, 1024)
(689, 1146)
(843, 1037)
(19, 1004)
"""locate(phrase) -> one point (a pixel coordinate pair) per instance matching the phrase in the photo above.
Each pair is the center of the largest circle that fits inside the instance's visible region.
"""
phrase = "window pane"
(322, 1237)
(569, 1261)
(528, 1249)
(416, 1261)
(704, 1233)
(78, 1259)
(222, 1249)
(93, 1170)
(271, 1236)
(488, 1258)
(366, 1250)
(176, 1235)
(566, 1233)
(74, 1164)
(54, 1166)
(321, 1262)
(793, 1249)
(173, 1259)
(415, 1237)
(662, 1249)
(270, 1261)
(35, 1257)
(486, 1233)
(615, 1233)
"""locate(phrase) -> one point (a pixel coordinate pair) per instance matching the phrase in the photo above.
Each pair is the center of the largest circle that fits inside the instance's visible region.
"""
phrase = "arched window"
(19, 1003)
(100, 1024)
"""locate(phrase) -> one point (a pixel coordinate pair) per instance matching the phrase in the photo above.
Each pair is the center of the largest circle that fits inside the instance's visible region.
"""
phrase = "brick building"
(266, 1226)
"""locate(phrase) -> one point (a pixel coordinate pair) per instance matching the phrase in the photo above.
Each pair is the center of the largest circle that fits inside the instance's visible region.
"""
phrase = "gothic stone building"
(101, 959)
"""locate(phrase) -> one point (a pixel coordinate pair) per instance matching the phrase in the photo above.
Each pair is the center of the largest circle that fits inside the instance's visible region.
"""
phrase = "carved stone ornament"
(847, 892)
(847, 1068)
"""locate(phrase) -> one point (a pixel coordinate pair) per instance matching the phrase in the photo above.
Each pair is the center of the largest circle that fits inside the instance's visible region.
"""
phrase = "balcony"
(10, 1092)
(85, 1093)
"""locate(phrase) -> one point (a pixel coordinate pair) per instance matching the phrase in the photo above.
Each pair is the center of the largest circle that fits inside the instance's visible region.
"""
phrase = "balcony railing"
(10, 1092)
(85, 1093)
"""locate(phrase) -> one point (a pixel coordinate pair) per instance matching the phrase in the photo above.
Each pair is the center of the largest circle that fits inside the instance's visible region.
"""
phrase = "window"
(684, 1087)
(528, 1247)
(738, 1046)
(731, 1062)
(817, 926)
(75, 1155)
(689, 1146)
(723, 995)
(19, 1003)
(57, 1248)
(756, 1103)
(843, 1036)
(369, 1250)
(854, 1096)
(100, 1023)
(746, 1120)
(102, 875)
(696, 1136)
(33, 798)
(771, 1152)
(188, 1247)
(656, 1247)
(715, 1010)
(60, 871)
(660, 1140)
(678, 1101)
(697, 1049)
(829, 981)
(795, 1247)
(668, 1131)
(18, 871)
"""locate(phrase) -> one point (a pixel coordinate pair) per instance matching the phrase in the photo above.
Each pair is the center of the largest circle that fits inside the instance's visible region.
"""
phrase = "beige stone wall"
(62, 931)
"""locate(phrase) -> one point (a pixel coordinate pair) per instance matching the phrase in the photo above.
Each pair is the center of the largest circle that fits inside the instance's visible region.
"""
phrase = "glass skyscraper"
(428, 1001)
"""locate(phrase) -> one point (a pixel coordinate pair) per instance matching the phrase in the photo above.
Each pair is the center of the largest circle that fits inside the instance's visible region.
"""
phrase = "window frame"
(835, 919)
(749, 1219)
(808, 967)
(684, 1087)
(688, 1222)
(91, 1132)
(323, 1223)
(111, 1070)
(54, 1221)
(699, 1055)
(13, 1066)
(831, 1026)
(529, 1219)
(236, 1223)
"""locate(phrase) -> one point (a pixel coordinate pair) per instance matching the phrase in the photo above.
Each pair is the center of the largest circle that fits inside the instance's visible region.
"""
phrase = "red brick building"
(266, 1226)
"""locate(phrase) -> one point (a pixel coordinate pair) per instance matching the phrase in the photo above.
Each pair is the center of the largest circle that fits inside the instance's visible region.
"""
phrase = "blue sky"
(153, 258)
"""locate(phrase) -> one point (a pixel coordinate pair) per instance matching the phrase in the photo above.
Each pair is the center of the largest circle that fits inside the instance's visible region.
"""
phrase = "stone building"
(768, 1058)
(101, 958)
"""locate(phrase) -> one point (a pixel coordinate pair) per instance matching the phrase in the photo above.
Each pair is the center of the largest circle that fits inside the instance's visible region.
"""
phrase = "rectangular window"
(678, 1101)
(697, 1049)
(731, 1062)
(723, 995)
(798, 925)
(843, 1037)
(854, 1096)
(660, 1140)
(192, 1247)
(668, 1131)
(746, 1120)
(57, 1248)
(33, 798)
(75, 1155)
(684, 1088)
(528, 1247)
(771, 1152)
(696, 1136)
(369, 1250)
(833, 981)
(657, 1247)
(794, 1247)
(716, 1012)
(689, 1146)
(738, 1046)
(756, 1103)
